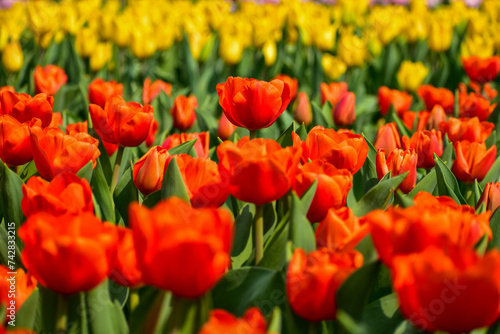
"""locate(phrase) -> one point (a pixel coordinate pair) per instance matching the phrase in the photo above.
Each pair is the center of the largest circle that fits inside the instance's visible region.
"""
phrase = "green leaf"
(495, 229)
(491, 140)
(301, 231)
(477, 192)
(184, 148)
(124, 194)
(28, 171)
(446, 182)
(379, 197)
(403, 130)
(302, 132)
(173, 184)
(4, 250)
(286, 138)
(145, 318)
(308, 196)
(86, 171)
(448, 150)
(101, 312)
(102, 194)
(275, 250)
(372, 151)
(427, 184)
(242, 249)
(11, 195)
(152, 199)
(26, 314)
(369, 171)
(246, 287)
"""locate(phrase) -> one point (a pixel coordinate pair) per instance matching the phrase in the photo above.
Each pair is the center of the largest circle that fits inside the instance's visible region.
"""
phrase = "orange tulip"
(480, 69)
(388, 138)
(343, 149)
(149, 170)
(431, 120)
(333, 92)
(24, 284)
(56, 120)
(181, 249)
(201, 146)
(398, 162)
(400, 100)
(312, 281)
(475, 105)
(24, 107)
(121, 123)
(433, 96)
(15, 143)
(473, 160)
(436, 289)
(490, 197)
(55, 152)
(340, 230)
(302, 111)
(49, 79)
(183, 111)
(66, 193)
(100, 91)
(344, 113)
(152, 133)
(123, 261)
(425, 143)
(203, 182)
(259, 171)
(409, 117)
(67, 254)
(221, 321)
(226, 128)
(77, 127)
(470, 129)
(293, 83)
(333, 185)
(253, 104)
(151, 90)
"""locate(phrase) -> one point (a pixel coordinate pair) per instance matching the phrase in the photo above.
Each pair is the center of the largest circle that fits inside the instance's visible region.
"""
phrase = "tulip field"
(248, 167)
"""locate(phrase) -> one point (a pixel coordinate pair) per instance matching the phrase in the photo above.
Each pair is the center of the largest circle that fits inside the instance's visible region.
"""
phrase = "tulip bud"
(183, 111)
(440, 35)
(344, 113)
(230, 50)
(302, 112)
(148, 171)
(270, 52)
(398, 162)
(387, 138)
(12, 57)
(226, 128)
(490, 197)
(426, 144)
(436, 117)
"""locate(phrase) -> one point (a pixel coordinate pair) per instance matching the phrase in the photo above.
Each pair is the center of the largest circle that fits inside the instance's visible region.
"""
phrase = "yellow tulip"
(143, 44)
(333, 66)
(270, 52)
(416, 28)
(85, 42)
(4, 37)
(352, 50)
(102, 53)
(440, 35)
(481, 45)
(12, 57)
(325, 37)
(122, 30)
(411, 75)
(230, 50)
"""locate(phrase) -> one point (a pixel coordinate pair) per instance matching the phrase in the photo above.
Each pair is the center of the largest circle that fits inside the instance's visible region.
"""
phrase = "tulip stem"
(62, 314)
(116, 170)
(253, 134)
(258, 228)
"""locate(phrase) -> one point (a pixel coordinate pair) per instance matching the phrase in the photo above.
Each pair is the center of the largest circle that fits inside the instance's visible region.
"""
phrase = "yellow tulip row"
(349, 33)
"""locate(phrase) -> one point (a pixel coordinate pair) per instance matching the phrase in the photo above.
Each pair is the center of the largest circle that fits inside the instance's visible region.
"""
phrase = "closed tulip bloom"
(312, 281)
(475, 105)
(436, 289)
(123, 261)
(440, 35)
(293, 83)
(340, 230)
(183, 112)
(24, 107)
(49, 79)
(12, 57)
(253, 104)
(490, 197)
(400, 100)
(302, 111)
(343, 149)
(333, 92)
(439, 222)
(259, 171)
(411, 75)
(226, 128)
(481, 70)
(67, 254)
(388, 138)
(149, 170)
(431, 120)
(66, 193)
(398, 162)
(15, 142)
(100, 91)
(24, 283)
(473, 160)
(344, 113)
(55, 152)
(470, 129)
(221, 321)
(203, 182)
(201, 145)
(333, 185)
(181, 249)
(151, 90)
(433, 96)
(122, 123)
(425, 143)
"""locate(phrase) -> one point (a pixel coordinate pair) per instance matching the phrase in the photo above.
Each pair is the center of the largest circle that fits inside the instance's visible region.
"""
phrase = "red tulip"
(470, 129)
(398, 162)
(387, 138)
(152, 133)
(67, 254)
(149, 170)
(490, 197)
(312, 281)
(425, 143)
(253, 104)
(293, 83)
(226, 128)
(475, 105)
(201, 146)
(344, 113)
(433, 96)
(431, 120)
(151, 91)
(259, 171)
(302, 112)
(333, 92)
(181, 249)
(15, 142)
(56, 120)
(400, 100)
(473, 160)
(24, 107)
(223, 322)
(333, 185)
(49, 79)
(100, 91)
(123, 261)
(66, 193)
(24, 284)
(183, 112)
(480, 69)
(121, 123)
